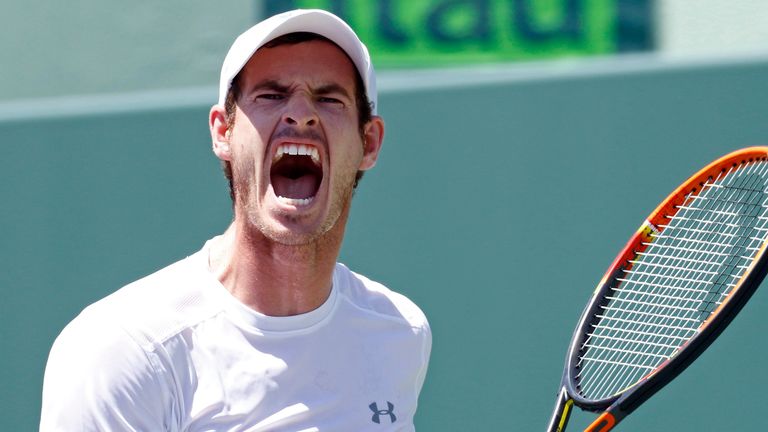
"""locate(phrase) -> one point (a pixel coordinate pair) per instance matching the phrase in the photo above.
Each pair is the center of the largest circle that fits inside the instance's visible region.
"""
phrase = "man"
(261, 330)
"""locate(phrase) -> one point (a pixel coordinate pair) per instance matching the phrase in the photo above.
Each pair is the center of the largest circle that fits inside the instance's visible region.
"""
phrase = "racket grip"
(604, 423)
(561, 412)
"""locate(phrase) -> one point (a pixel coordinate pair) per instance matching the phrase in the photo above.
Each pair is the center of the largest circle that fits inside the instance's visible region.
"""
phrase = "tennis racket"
(679, 281)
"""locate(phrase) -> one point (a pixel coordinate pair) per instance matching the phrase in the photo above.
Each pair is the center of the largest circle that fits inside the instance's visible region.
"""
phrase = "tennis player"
(261, 330)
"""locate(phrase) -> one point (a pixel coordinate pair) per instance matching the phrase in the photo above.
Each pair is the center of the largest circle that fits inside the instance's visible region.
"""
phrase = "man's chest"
(351, 378)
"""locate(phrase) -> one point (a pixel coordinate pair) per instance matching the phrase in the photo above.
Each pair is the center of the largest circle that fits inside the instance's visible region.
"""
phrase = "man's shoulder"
(376, 298)
(114, 353)
(157, 306)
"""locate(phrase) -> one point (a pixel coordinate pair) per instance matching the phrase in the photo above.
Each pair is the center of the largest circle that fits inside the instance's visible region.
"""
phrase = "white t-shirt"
(176, 352)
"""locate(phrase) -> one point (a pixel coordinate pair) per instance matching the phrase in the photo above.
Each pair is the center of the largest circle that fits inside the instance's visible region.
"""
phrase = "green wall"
(495, 207)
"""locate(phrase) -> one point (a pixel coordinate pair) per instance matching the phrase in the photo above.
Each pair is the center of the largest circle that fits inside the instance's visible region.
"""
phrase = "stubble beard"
(257, 226)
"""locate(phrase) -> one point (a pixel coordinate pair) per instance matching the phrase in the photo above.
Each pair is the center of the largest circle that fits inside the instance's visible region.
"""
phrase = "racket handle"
(561, 413)
(604, 423)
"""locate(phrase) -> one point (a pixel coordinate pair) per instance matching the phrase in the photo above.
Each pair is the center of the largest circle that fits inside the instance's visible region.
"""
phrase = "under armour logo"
(377, 413)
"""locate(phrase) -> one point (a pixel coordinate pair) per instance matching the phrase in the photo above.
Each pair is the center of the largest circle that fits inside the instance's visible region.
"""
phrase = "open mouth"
(296, 173)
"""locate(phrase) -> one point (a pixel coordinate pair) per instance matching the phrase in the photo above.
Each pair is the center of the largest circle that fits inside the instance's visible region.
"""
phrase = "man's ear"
(373, 138)
(220, 133)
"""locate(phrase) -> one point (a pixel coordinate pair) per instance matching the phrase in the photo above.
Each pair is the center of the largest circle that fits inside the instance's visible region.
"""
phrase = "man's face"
(296, 146)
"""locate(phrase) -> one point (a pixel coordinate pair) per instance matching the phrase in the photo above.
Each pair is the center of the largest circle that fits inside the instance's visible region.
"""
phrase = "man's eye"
(326, 99)
(270, 96)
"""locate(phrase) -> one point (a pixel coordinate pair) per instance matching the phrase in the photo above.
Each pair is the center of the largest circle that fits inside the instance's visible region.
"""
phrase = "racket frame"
(619, 405)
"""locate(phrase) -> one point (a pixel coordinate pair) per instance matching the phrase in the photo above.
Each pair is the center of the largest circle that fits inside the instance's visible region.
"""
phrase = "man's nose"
(300, 111)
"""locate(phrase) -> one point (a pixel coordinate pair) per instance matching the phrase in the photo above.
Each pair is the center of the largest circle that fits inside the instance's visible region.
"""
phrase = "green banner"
(443, 32)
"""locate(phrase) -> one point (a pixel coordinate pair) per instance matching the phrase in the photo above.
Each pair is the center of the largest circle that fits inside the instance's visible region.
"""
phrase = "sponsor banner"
(442, 32)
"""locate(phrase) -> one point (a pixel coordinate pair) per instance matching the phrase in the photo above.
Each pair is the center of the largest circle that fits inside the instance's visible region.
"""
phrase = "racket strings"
(648, 357)
(689, 280)
(665, 293)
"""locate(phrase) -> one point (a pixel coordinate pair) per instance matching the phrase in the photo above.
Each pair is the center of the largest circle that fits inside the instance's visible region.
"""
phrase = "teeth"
(297, 150)
(296, 201)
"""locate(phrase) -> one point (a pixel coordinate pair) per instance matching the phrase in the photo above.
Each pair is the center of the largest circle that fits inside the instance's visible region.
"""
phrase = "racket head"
(627, 344)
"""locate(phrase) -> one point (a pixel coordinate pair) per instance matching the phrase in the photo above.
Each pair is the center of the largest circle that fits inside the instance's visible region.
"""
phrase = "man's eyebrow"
(269, 84)
(274, 85)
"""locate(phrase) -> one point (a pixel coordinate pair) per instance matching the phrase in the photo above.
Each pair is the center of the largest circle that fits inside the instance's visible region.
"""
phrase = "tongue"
(302, 187)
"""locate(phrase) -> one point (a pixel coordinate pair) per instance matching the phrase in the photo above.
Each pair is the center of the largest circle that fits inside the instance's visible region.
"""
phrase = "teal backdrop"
(496, 207)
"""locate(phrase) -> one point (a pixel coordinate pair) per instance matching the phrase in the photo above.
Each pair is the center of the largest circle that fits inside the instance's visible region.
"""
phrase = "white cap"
(316, 21)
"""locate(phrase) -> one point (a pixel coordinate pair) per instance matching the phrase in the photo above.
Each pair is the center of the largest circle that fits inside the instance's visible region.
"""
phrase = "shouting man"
(262, 329)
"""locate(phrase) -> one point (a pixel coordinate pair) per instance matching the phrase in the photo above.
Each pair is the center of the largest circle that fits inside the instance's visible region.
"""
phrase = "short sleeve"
(98, 378)
(426, 353)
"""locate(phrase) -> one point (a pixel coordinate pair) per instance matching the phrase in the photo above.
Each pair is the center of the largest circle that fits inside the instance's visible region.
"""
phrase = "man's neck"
(272, 278)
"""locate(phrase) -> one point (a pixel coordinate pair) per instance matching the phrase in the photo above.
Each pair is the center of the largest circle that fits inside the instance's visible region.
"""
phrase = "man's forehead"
(321, 58)
(286, 41)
